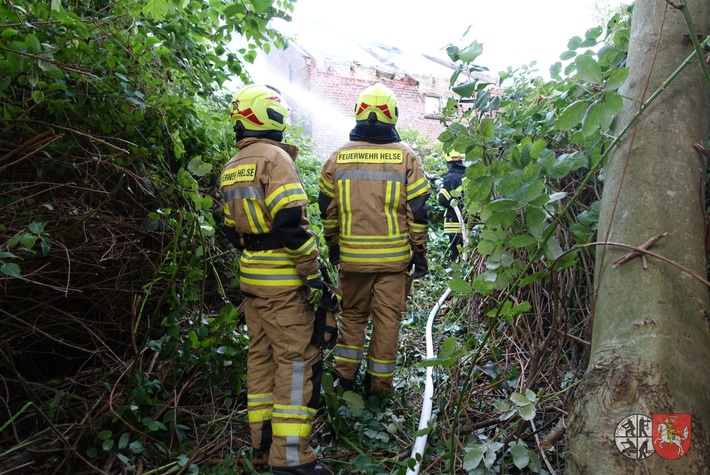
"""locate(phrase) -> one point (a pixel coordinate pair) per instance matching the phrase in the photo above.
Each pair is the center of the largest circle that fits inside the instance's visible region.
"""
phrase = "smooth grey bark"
(651, 330)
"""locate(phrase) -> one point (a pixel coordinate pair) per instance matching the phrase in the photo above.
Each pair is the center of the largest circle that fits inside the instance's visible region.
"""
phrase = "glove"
(334, 255)
(325, 329)
(315, 289)
(419, 265)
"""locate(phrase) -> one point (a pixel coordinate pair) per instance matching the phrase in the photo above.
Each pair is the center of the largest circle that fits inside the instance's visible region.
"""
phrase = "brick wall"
(322, 95)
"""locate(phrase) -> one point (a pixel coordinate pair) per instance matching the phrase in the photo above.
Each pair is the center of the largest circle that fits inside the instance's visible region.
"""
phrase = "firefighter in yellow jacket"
(372, 200)
(265, 218)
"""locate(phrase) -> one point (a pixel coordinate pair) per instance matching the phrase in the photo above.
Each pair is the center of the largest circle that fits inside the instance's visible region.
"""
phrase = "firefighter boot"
(345, 383)
(310, 469)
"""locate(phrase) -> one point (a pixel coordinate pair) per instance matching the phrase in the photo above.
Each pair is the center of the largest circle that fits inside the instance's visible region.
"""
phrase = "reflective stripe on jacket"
(373, 204)
(264, 201)
(452, 184)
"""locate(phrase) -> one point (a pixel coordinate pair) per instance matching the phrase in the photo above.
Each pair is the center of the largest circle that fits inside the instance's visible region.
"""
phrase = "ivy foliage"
(114, 130)
(536, 150)
(524, 144)
(113, 137)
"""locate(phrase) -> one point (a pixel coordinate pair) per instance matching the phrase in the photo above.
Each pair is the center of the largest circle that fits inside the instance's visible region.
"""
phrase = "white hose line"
(420, 442)
(425, 417)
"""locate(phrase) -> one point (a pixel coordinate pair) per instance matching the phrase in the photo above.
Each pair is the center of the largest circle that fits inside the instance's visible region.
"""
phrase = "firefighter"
(265, 218)
(372, 201)
(450, 194)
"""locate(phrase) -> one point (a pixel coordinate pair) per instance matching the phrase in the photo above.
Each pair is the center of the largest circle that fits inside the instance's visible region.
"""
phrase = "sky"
(513, 32)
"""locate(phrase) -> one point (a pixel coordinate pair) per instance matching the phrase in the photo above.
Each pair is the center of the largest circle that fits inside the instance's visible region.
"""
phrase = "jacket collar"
(292, 150)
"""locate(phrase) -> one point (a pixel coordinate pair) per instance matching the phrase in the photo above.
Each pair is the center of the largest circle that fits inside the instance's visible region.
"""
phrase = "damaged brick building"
(325, 77)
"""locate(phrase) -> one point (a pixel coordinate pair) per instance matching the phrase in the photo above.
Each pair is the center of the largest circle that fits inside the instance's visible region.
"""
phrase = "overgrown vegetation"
(122, 339)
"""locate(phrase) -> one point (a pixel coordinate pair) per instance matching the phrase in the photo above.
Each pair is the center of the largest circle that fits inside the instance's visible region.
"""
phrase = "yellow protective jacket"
(372, 202)
(265, 217)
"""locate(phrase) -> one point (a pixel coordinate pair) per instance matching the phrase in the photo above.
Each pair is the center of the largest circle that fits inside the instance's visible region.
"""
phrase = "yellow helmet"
(258, 108)
(454, 156)
(377, 100)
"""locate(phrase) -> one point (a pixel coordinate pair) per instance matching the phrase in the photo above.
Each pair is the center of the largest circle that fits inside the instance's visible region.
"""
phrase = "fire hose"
(427, 400)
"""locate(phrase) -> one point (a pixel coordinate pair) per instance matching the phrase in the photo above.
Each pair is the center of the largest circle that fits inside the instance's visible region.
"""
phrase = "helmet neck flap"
(242, 133)
(378, 133)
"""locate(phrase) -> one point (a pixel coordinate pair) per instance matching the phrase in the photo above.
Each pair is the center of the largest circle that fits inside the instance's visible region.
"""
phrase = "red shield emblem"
(671, 435)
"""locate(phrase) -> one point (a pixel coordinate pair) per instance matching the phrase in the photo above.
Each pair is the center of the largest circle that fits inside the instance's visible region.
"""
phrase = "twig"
(542, 451)
(75, 69)
(644, 251)
(572, 337)
(635, 253)
(30, 147)
(554, 435)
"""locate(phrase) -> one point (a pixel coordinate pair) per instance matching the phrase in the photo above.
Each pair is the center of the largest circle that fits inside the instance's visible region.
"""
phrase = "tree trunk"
(651, 330)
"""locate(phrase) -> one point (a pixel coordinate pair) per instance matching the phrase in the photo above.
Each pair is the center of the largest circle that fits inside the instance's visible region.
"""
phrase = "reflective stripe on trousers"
(283, 377)
(382, 295)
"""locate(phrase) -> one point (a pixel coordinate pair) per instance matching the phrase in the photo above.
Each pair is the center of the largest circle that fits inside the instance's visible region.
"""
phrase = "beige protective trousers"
(381, 295)
(284, 372)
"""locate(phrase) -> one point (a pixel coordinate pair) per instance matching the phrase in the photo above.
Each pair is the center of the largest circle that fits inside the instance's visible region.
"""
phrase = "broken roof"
(323, 42)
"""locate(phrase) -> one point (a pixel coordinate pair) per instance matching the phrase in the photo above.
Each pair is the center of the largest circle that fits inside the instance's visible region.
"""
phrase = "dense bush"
(122, 339)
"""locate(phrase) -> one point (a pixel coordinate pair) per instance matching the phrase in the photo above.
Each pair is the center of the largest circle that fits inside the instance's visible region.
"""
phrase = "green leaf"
(535, 464)
(588, 69)
(37, 227)
(487, 128)
(541, 275)
(521, 458)
(37, 96)
(616, 79)
(136, 447)
(522, 241)
(466, 89)
(553, 248)
(531, 191)
(197, 167)
(614, 102)
(521, 308)
(448, 347)
(460, 286)
(484, 283)
(471, 52)
(10, 269)
(504, 219)
(527, 412)
(593, 118)
(572, 115)
(473, 457)
(519, 399)
(594, 33)
(261, 6)
(156, 8)
(537, 148)
(535, 219)
(479, 189)
(354, 402)
(9, 32)
(32, 43)
(566, 56)
(567, 163)
(574, 42)
(490, 457)
(556, 197)
(502, 204)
